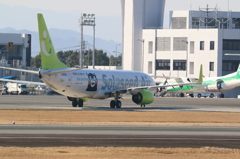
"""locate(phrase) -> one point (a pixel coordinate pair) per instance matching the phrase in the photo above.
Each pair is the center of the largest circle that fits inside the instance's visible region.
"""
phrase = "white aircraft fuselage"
(93, 83)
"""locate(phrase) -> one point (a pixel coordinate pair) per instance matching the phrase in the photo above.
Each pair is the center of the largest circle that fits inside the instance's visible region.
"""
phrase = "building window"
(211, 45)
(210, 23)
(230, 65)
(150, 67)
(191, 71)
(211, 66)
(201, 45)
(162, 64)
(236, 23)
(195, 22)
(231, 44)
(223, 23)
(150, 47)
(191, 47)
(179, 64)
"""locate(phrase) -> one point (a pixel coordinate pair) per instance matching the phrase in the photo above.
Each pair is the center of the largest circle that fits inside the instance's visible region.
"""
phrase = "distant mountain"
(66, 40)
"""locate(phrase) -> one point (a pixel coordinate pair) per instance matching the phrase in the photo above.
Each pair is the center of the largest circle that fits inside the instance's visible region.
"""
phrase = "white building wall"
(198, 57)
(149, 36)
(138, 14)
(17, 39)
(127, 15)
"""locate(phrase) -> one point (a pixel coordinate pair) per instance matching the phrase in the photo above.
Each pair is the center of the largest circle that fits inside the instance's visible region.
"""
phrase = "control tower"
(138, 15)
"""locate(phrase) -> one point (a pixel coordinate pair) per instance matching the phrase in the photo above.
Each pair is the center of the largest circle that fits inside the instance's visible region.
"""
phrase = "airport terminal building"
(194, 38)
(204, 37)
(15, 51)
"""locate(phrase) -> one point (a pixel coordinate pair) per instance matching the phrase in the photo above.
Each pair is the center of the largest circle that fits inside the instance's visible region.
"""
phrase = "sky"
(62, 14)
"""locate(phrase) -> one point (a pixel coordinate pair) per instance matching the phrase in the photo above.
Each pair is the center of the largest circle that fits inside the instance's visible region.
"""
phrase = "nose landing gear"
(116, 103)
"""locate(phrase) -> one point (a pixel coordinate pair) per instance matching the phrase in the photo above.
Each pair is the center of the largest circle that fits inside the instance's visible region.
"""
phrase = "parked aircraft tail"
(238, 72)
(48, 56)
(200, 79)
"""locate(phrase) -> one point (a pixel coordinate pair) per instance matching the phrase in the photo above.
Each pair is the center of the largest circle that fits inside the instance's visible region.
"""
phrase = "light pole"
(142, 40)
(186, 42)
(87, 20)
(116, 55)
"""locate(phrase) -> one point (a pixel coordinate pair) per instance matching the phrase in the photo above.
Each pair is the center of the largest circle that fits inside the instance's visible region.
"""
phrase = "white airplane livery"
(81, 84)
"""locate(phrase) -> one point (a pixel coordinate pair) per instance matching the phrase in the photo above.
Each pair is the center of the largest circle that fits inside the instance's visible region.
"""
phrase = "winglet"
(48, 55)
(200, 79)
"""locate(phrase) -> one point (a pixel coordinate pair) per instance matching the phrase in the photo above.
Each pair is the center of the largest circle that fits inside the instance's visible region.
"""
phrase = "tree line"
(71, 59)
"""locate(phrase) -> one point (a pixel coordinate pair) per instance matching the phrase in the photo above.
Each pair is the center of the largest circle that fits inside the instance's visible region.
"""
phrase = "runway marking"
(80, 138)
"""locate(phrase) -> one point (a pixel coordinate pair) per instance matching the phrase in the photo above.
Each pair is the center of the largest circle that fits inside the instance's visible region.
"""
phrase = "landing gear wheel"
(112, 104)
(211, 95)
(80, 103)
(142, 105)
(118, 104)
(74, 102)
(221, 95)
(181, 94)
(199, 95)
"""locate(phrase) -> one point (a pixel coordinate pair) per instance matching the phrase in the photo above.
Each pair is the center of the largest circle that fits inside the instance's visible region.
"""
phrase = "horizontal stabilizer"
(20, 70)
(23, 82)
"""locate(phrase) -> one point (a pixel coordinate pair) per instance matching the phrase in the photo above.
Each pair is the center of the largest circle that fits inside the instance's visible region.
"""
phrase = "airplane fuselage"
(227, 83)
(92, 83)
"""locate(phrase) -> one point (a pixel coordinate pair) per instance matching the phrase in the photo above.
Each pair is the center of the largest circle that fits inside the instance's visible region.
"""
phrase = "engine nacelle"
(143, 97)
(83, 99)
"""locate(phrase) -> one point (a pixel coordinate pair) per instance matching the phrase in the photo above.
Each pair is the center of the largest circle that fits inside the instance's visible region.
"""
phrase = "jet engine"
(143, 97)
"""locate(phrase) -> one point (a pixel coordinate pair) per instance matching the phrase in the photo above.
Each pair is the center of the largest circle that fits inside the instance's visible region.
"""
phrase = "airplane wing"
(48, 72)
(135, 90)
(177, 79)
(180, 79)
(23, 82)
(138, 89)
(21, 70)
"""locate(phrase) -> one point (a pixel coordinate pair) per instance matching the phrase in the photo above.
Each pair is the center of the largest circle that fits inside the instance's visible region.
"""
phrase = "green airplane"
(210, 84)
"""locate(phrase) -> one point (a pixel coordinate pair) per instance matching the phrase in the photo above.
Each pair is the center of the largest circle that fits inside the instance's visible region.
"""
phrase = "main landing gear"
(221, 95)
(76, 102)
(116, 103)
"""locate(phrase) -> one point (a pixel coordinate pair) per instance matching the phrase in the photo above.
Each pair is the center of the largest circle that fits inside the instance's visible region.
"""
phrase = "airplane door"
(69, 83)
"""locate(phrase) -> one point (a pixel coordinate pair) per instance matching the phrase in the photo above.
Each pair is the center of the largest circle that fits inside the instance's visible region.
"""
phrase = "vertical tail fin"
(238, 72)
(200, 79)
(48, 55)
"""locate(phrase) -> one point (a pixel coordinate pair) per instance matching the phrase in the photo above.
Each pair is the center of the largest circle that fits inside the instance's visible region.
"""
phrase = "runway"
(118, 136)
(43, 102)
